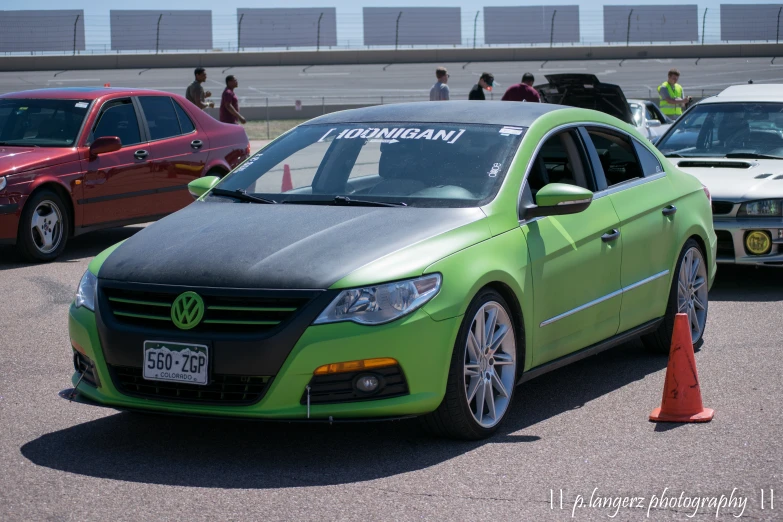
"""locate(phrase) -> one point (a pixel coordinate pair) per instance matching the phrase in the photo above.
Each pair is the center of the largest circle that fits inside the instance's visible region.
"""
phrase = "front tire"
(688, 295)
(482, 373)
(44, 227)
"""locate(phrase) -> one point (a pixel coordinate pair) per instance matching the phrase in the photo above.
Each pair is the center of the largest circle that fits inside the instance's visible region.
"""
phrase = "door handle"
(611, 235)
(141, 154)
(669, 210)
(196, 144)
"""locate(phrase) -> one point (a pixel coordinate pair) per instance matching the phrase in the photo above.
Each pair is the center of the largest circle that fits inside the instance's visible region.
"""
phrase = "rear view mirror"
(105, 144)
(557, 199)
(200, 186)
(653, 123)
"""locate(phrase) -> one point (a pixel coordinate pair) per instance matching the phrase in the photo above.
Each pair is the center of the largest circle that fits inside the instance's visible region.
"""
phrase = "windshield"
(721, 129)
(42, 123)
(432, 165)
(637, 113)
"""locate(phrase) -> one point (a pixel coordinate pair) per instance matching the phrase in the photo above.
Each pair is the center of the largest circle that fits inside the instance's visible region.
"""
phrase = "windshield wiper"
(751, 155)
(345, 200)
(673, 155)
(241, 195)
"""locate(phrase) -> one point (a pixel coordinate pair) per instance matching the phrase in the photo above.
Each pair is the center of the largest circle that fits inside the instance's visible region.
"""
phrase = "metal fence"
(127, 31)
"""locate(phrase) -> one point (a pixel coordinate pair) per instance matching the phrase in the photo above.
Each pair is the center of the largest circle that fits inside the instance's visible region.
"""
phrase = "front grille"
(338, 387)
(725, 244)
(722, 207)
(223, 389)
(85, 367)
(229, 314)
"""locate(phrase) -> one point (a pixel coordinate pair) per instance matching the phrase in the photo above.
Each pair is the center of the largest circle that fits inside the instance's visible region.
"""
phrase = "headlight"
(762, 208)
(381, 303)
(3, 182)
(85, 294)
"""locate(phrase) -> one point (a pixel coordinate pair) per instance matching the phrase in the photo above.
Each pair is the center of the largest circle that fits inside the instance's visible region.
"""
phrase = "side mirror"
(200, 186)
(653, 123)
(558, 199)
(105, 144)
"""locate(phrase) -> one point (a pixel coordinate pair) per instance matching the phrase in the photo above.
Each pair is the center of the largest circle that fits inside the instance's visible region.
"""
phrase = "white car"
(649, 119)
(733, 143)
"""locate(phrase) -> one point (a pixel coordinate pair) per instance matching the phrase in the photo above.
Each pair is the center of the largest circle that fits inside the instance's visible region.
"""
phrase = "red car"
(75, 160)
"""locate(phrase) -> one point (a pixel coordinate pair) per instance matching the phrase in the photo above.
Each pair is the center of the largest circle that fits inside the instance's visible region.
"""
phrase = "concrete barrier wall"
(349, 57)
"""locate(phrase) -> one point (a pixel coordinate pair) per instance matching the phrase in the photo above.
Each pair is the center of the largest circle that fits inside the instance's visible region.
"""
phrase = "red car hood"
(20, 159)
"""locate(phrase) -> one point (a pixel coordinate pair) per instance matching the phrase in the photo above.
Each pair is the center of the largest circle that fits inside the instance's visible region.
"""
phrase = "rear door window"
(161, 118)
(616, 154)
(118, 118)
(185, 123)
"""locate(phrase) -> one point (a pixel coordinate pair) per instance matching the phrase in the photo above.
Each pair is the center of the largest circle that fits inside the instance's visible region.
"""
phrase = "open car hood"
(586, 92)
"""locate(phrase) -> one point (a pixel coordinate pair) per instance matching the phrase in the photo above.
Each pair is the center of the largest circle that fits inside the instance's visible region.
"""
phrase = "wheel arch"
(61, 191)
(517, 316)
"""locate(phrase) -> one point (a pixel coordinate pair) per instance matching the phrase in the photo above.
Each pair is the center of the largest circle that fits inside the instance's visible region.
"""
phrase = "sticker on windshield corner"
(493, 172)
(81, 105)
(509, 131)
(393, 135)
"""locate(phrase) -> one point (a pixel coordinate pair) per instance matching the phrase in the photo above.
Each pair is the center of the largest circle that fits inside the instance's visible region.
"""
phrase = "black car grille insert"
(223, 389)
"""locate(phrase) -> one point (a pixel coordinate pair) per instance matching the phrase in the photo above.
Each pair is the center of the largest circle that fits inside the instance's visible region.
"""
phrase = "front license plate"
(176, 362)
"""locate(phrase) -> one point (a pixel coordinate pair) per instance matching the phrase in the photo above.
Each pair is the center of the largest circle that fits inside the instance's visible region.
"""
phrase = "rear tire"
(691, 272)
(482, 373)
(44, 227)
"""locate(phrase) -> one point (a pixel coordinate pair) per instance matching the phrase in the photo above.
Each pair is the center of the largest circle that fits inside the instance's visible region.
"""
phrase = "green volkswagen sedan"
(404, 260)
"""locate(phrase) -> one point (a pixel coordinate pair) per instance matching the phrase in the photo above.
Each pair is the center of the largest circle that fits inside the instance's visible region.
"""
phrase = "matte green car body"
(542, 267)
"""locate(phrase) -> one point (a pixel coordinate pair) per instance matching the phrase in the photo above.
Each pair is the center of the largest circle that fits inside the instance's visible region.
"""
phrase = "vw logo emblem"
(187, 310)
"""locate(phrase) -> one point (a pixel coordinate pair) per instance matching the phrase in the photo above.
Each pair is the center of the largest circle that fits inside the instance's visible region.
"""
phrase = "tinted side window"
(185, 123)
(119, 120)
(617, 155)
(650, 164)
(161, 118)
(559, 161)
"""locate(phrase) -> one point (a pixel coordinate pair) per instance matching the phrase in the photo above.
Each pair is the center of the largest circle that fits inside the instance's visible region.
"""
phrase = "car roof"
(519, 114)
(81, 93)
(764, 92)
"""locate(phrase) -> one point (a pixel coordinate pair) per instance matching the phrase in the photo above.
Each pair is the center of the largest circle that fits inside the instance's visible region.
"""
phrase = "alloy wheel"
(490, 364)
(692, 291)
(46, 226)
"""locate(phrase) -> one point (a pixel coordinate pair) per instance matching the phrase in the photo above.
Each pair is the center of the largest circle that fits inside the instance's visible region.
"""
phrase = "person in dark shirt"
(523, 92)
(195, 92)
(485, 82)
(229, 104)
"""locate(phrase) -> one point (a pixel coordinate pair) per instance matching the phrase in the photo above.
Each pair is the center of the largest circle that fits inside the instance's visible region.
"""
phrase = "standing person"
(440, 91)
(671, 97)
(229, 104)
(195, 92)
(524, 91)
(485, 82)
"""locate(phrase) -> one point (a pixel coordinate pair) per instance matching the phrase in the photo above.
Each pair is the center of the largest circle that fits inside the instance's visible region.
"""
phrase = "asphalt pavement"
(582, 430)
(387, 83)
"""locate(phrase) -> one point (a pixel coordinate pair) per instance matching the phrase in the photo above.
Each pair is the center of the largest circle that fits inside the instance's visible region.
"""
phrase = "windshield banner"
(393, 135)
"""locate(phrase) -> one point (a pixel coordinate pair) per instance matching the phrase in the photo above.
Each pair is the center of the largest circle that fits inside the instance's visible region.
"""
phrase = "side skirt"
(597, 348)
(78, 231)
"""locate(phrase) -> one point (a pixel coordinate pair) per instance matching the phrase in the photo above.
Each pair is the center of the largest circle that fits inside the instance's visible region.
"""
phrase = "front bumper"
(422, 346)
(9, 222)
(731, 241)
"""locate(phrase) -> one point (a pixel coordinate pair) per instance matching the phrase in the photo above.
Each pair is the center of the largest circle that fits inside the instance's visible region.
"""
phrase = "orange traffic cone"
(107, 85)
(287, 183)
(681, 394)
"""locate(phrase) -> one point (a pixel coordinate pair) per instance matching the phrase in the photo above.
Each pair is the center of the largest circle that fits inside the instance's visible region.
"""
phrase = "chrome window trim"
(604, 298)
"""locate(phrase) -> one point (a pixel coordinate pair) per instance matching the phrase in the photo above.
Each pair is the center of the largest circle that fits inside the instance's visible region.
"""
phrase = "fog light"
(758, 242)
(367, 383)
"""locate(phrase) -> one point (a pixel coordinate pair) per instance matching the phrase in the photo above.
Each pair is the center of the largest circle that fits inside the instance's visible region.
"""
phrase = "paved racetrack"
(576, 429)
(368, 83)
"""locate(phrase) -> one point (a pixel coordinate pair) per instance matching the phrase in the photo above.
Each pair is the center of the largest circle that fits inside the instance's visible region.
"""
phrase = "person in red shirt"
(229, 104)
(523, 92)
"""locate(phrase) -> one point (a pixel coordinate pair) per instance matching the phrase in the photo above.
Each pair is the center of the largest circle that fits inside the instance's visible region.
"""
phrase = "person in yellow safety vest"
(671, 97)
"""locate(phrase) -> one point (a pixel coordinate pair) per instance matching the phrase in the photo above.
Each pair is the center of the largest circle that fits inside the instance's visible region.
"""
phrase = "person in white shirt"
(440, 91)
